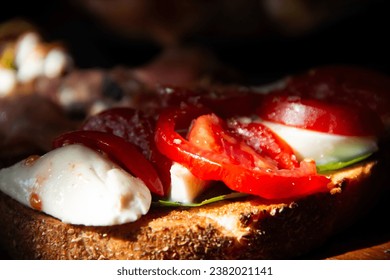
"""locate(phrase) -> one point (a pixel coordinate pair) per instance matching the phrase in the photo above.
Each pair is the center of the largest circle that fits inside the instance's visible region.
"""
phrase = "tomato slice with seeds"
(209, 132)
(263, 140)
(118, 150)
(215, 160)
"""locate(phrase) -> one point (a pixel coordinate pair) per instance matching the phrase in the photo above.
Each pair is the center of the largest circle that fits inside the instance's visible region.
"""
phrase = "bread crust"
(249, 228)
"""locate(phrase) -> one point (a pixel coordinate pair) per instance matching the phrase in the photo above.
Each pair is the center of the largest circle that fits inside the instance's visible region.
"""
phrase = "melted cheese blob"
(77, 185)
(322, 147)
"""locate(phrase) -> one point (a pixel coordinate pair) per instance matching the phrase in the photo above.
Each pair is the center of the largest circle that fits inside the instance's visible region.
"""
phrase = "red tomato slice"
(280, 184)
(366, 88)
(208, 132)
(269, 183)
(263, 140)
(319, 116)
(173, 145)
(137, 128)
(120, 151)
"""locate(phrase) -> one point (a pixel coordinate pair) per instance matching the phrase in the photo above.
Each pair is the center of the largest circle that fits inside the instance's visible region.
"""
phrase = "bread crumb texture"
(244, 229)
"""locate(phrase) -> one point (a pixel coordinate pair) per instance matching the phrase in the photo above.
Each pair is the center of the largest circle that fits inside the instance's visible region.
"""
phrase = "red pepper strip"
(171, 144)
(118, 150)
(209, 165)
(279, 184)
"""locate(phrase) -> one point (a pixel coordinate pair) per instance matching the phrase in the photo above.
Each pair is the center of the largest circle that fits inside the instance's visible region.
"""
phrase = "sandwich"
(215, 173)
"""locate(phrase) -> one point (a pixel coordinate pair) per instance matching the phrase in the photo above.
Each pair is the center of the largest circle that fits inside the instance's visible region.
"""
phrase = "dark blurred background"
(262, 39)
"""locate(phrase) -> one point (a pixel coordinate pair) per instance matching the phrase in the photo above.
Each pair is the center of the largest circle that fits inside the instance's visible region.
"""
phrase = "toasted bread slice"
(249, 228)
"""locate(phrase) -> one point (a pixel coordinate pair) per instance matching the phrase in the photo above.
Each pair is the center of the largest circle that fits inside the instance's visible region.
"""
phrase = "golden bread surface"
(249, 228)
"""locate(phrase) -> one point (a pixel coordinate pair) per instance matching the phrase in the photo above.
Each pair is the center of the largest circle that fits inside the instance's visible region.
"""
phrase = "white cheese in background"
(7, 81)
(77, 185)
(29, 57)
(32, 66)
(34, 59)
(25, 45)
(323, 147)
(55, 63)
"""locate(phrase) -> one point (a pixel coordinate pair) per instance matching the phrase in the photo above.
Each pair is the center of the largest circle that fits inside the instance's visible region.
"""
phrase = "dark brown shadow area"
(368, 238)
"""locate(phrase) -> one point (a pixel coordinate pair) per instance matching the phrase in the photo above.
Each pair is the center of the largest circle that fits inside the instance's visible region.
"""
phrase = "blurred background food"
(87, 55)
(264, 39)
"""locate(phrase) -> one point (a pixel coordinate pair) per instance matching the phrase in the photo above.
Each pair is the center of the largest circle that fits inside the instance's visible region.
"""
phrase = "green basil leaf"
(204, 202)
(340, 164)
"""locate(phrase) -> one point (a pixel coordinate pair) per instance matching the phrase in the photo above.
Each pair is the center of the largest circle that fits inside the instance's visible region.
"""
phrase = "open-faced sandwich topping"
(276, 149)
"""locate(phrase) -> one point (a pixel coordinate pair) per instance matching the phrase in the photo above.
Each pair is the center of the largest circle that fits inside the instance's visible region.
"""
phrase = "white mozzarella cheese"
(185, 187)
(77, 185)
(323, 147)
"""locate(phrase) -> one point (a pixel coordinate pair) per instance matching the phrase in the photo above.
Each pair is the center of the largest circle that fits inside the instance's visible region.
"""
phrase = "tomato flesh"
(263, 140)
(173, 145)
(118, 150)
(365, 89)
(352, 85)
(281, 184)
(212, 164)
(208, 132)
(319, 116)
